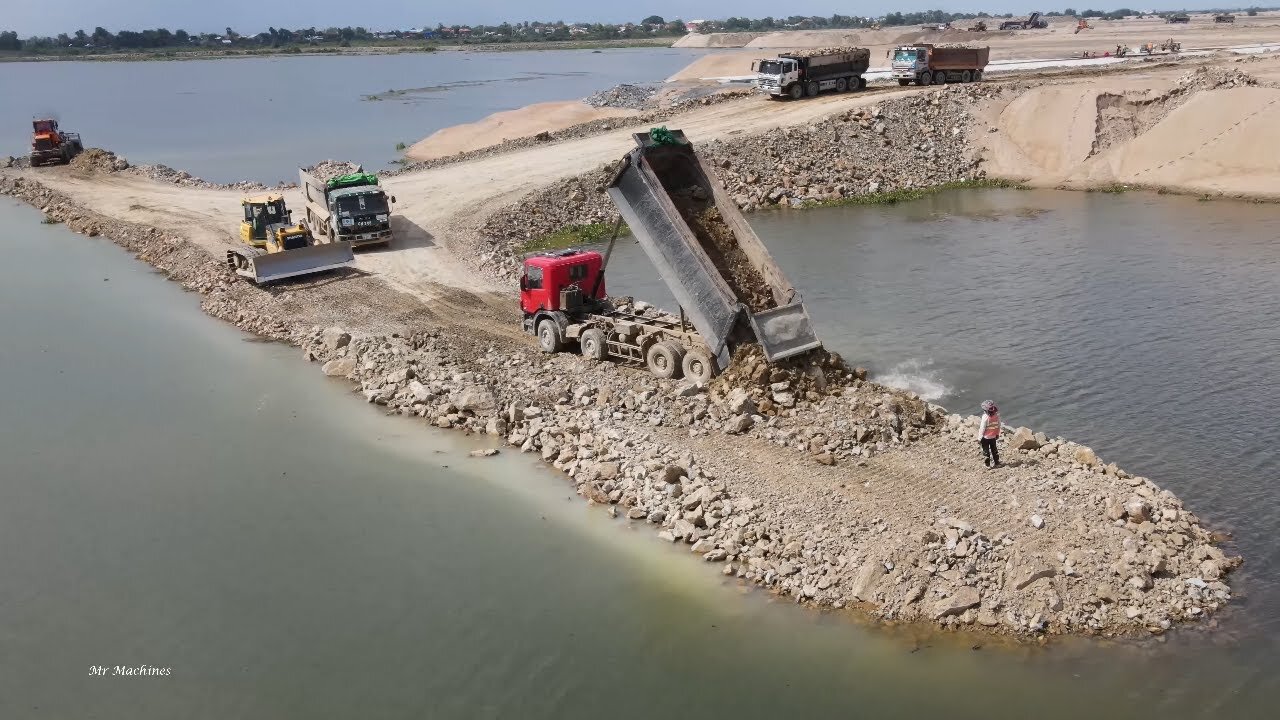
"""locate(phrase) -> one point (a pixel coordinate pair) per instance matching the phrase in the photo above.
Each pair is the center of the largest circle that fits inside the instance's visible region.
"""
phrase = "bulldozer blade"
(270, 267)
(784, 331)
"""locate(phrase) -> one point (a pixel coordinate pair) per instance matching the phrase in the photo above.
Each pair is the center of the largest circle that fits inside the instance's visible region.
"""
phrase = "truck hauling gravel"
(349, 207)
(731, 293)
(926, 64)
(805, 73)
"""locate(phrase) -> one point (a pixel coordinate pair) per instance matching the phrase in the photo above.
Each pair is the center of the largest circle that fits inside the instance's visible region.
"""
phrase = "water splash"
(916, 375)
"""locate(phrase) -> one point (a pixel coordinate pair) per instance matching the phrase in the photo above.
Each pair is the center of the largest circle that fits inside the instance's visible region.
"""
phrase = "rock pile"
(915, 141)
(326, 170)
(632, 97)
(99, 160)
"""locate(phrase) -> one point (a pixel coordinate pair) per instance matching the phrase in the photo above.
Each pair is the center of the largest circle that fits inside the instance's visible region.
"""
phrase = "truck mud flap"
(784, 331)
(271, 267)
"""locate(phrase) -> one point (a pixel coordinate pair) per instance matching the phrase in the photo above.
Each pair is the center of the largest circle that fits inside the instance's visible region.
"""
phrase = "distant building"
(694, 26)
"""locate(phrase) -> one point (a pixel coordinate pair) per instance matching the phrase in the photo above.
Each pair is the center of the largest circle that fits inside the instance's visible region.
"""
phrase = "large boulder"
(339, 367)
(961, 600)
(1024, 439)
(334, 337)
(475, 398)
(1086, 457)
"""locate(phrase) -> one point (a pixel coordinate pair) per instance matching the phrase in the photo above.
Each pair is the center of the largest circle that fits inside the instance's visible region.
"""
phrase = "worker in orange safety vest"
(989, 434)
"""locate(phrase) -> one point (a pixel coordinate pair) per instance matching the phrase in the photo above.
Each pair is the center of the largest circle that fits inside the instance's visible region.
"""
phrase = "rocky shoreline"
(806, 480)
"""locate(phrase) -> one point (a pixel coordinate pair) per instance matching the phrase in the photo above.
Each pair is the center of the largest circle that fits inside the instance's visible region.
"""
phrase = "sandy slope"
(510, 124)
(1219, 141)
(1199, 147)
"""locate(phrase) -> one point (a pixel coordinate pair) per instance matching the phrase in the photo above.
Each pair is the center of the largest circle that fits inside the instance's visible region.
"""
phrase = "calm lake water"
(175, 496)
(267, 116)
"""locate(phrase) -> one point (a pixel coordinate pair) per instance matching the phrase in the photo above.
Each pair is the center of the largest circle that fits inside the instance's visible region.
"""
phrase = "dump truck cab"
(564, 281)
(268, 220)
(776, 75)
(910, 60)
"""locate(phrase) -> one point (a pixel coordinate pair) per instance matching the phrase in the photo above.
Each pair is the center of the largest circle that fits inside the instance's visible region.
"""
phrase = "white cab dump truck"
(806, 73)
(926, 64)
(348, 208)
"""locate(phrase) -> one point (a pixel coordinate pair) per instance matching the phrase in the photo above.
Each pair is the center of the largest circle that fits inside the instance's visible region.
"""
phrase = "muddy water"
(260, 118)
(177, 497)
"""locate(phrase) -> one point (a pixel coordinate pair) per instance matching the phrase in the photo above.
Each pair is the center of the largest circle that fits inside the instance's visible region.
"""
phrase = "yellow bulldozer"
(274, 248)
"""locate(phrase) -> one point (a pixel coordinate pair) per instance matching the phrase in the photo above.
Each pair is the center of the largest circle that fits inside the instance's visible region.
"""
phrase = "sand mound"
(716, 40)
(719, 65)
(509, 125)
(1218, 141)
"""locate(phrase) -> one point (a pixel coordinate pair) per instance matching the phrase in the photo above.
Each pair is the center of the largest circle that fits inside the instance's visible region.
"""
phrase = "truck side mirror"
(524, 282)
(393, 198)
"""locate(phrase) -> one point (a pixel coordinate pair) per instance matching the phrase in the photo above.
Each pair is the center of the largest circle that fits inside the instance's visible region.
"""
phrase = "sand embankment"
(1209, 131)
(716, 40)
(509, 125)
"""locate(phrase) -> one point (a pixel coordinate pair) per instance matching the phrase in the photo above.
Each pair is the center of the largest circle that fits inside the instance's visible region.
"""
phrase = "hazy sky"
(251, 16)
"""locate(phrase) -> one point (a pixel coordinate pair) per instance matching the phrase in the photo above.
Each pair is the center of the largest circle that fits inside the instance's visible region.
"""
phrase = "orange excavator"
(49, 145)
(1082, 25)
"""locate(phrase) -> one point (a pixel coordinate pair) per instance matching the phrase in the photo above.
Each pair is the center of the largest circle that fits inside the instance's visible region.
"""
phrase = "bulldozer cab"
(261, 213)
(41, 126)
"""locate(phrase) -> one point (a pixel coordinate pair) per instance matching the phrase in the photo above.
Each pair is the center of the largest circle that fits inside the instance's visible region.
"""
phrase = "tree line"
(103, 40)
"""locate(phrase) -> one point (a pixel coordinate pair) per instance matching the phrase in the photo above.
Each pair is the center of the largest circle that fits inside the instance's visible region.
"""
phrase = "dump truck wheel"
(592, 344)
(977, 76)
(966, 76)
(862, 83)
(939, 78)
(549, 339)
(698, 367)
(811, 89)
(842, 85)
(796, 92)
(924, 78)
(663, 360)
(904, 83)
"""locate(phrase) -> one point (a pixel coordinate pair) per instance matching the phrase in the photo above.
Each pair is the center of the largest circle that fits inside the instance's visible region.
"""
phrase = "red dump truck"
(731, 292)
(932, 64)
(809, 72)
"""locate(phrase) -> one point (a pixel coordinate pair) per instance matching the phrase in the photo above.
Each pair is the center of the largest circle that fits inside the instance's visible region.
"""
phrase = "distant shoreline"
(300, 51)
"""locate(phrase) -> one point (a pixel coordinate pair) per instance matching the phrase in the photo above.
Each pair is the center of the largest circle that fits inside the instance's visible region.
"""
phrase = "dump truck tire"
(698, 367)
(966, 76)
(939, 78)
(663, 360)
(842, 85)
(977, 76)
(593, 344)
(796, 92)
(549, 339)
(904, 83)
(811, 89)
(923, 79)
(862, 83)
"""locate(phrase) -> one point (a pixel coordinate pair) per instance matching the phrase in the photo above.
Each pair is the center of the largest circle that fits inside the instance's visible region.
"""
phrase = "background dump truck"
(934, 64)
(349, 208)
(809, 72)
(731, 293)
(49, 145)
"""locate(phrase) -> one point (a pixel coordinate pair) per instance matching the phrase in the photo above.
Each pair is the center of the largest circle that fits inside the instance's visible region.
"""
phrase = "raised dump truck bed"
(714, 263)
